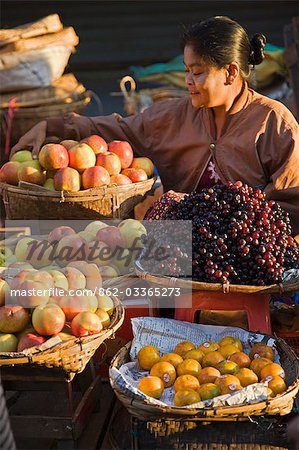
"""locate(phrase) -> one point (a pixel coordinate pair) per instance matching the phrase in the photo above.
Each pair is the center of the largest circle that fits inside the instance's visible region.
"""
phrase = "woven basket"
(73, 355)
(290, 287)
(97, 203)
(281, 404)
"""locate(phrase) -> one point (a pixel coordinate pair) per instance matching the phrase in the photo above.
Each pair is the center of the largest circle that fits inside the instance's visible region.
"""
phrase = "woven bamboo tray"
(289, 287)
(281, 404)
(71, 356)
(112, 201)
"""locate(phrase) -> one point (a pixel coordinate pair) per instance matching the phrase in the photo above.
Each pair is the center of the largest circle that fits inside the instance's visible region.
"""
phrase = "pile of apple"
(72, 165)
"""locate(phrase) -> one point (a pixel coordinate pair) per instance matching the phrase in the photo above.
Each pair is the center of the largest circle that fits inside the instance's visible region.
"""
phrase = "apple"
(145, 164)
(60, 280)
(21, 248)
(75, 277)
(73, 305)
(22, 156)
(106, 303)
(95, 177)
(13, 319)
(136, 175)
(111, 236)
(132, 231)
(91, 273)
(43, 276)
(59, 232)
(19, 265)
(98, 253)
(30, 340)
(95, 226)
(81, 157)
(120, 180)
(33, 293)
(97, 143)
(85, 324)
(123, 150)
(104, 317)
(48, 319)
(67, 179)
(53, 156)
(108, 272)
(31, 172)
(39, 253)
(110, 162)
(70, 248)
(49, 184)
(9, 173)
(8, 342)
(86, 235)
(20, 277)
(4, 288)
(68, 143)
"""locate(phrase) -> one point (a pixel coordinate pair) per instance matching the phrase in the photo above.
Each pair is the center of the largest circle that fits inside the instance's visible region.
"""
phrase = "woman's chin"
(196, 102)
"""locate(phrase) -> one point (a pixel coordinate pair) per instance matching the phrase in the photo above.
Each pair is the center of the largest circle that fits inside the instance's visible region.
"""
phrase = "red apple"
(48, 319)
(53, 156)
(145, 164)
(73, 305)
(111, 236)
(123, 150)
(97, 143)
(85, 324)
(120, 180)
(59, 232)
(9, 173)
(110, 162)
(29, 340)
(67, 179)
(135, 175)
(13, 319)
(70, 248)
(31, 172)
(81, 157)
(69, 143)
(33, 293)
(95, 177)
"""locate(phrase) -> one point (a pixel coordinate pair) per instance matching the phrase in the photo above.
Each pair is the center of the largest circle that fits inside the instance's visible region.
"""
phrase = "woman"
(223, 131)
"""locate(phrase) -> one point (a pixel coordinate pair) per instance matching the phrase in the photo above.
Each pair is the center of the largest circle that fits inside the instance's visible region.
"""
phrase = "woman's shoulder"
(273, 109)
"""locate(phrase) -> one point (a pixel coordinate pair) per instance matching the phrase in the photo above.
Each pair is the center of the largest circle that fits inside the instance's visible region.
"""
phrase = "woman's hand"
(32, 140)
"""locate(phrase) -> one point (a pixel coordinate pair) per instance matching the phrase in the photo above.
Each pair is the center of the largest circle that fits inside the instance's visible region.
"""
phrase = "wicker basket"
(97, 203)
(73, 355)
(189, 285)
(281, 404)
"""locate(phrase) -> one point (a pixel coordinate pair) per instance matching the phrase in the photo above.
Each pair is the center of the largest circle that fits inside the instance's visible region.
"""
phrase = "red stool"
(255, 305)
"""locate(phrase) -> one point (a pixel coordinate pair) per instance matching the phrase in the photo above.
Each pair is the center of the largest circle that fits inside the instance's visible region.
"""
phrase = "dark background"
(115, 34)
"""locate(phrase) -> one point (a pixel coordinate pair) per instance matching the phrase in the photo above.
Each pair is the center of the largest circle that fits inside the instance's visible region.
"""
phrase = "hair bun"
(257, 44)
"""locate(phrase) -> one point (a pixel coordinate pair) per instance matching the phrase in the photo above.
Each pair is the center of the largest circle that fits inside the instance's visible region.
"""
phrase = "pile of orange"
(209, 370)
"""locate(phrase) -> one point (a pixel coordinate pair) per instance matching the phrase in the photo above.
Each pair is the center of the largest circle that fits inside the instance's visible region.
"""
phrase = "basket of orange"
(176, 369)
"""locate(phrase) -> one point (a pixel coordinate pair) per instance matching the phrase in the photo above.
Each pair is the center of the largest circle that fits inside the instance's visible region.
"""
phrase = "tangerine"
(228, 384)
(208, 346)
(165, 371)
(189, 367)
(151, 386)
(227, 367)
(183, 347)
(276, 384)
(240, 358)
(228, 340)
(272, 369)
(258, 363)
(208, 375)
(186, 397)
(211, 359)
(148, 356)
(261, 350)
(194, 354)
(227, 350)
(208, 390)
(247, 376)
(172, 358)
(186, 382)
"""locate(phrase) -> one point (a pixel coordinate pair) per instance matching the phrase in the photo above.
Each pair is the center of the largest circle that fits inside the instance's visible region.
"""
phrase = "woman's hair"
(220, 41)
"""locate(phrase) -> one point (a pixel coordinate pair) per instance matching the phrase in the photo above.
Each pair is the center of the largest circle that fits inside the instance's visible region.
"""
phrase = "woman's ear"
(233, 71)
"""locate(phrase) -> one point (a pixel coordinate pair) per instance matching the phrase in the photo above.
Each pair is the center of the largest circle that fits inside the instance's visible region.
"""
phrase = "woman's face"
(207, 85)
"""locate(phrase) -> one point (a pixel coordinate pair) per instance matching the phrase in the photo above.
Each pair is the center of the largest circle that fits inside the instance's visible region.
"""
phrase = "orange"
(261, 350)
(186, 382)
(186, 397)
(208, 346)
(208, 375)
(228, 384)
(165, 371)
(189, 367)
(151, 386)
(183, 347)
(272, 369)
(240, 358)
(276, 384)
(148, 356)
(227, 350)
(211, 359)
(194, 354)
(247, 376)
(172, 358)
(208, 390)
(228, 340)
(227, 367)
(258, 363)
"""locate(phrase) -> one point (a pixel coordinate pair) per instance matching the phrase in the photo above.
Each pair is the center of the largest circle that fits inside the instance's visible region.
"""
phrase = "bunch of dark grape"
(159, 210)
(237, 235)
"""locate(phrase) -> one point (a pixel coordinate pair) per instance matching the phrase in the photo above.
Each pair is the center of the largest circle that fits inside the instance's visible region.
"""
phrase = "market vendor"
(223, 131)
